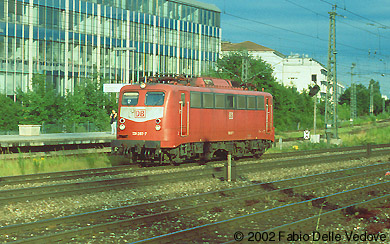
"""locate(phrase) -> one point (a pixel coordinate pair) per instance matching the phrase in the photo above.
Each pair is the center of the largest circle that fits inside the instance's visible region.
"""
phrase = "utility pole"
(315, 115)
(371, 98)
(383, 105)
(331, 89)
(353, 95)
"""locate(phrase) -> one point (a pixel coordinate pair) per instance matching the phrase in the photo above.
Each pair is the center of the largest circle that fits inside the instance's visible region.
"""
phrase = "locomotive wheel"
(114, 150)
(202, 161)
(130, 155)
(257, 153)
(175, 161)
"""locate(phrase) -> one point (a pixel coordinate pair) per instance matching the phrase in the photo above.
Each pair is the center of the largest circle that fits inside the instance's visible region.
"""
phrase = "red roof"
(247, 45)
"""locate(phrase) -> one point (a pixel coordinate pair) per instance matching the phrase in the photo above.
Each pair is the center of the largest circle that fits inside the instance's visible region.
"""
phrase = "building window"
(314, 77)
(2, 9)
(42, 19)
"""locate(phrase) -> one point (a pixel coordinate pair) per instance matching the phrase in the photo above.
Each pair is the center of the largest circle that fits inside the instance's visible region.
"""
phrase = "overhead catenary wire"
(294, 32)
(358, 15)
(364, 52)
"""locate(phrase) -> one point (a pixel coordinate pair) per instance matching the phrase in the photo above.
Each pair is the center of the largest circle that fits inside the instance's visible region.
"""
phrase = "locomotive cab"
(141, 122)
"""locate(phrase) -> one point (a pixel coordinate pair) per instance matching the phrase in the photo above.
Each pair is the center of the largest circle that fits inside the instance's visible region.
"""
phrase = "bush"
(87, 109)
(10, 112)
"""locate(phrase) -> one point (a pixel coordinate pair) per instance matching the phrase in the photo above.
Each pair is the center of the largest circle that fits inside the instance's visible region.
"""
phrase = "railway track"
(263, 221)
(107, 150)
(353, 152)
(230, 208)
(121, 177)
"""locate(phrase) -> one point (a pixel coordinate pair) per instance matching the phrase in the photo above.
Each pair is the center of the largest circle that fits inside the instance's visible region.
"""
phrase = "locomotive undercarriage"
(205, 151)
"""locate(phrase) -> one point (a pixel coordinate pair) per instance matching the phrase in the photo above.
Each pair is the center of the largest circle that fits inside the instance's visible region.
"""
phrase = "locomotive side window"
(251, 102)
(130, 98)
(241, 102)
(183, 99)
(230, 101)
(219, 100)
(260, 102)
(208, 100)
(154, 98)
(196, 100)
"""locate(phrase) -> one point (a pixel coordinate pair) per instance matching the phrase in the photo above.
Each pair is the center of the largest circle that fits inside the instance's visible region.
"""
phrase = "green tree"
(290, 107)
(363, 98)
(41, 104)
(89, 104)
(377, 96)
(259, 72)
(11, 114)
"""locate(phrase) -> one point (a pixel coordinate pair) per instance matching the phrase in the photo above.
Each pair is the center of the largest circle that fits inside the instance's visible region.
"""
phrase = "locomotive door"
(268, 120)
(184, 112)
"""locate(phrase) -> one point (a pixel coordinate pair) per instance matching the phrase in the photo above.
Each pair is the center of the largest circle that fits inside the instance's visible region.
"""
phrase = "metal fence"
(47, 128)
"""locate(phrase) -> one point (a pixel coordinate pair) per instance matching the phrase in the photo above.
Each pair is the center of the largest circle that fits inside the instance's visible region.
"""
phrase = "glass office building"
(122, 40)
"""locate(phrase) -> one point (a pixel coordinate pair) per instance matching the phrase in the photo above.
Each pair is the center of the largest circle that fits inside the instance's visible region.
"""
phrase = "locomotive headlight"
(122, 126)
(122, 120)
(158, 121)
(143, 85)
(158, 127)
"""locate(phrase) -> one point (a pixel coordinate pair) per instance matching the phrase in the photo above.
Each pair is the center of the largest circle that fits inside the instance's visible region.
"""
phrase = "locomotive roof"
(199, 82)
(171, 87)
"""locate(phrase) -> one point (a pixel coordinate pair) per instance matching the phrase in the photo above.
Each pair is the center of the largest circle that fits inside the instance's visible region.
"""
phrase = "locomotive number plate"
(230, 115)
(139, 133)
(140, 113)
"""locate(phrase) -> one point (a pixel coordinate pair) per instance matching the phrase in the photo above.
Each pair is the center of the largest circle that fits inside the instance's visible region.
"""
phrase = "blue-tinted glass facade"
(123, 40)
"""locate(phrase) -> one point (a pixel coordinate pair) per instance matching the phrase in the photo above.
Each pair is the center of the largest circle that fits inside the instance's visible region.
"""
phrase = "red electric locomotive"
(172, 120)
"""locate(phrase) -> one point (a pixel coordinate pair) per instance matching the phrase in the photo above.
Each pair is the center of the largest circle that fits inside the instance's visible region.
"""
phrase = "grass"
(372, 135)
(369, 132)
(52, 164)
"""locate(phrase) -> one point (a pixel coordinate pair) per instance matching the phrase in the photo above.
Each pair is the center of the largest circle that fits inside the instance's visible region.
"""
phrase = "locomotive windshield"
(130, 98)
(154, 98)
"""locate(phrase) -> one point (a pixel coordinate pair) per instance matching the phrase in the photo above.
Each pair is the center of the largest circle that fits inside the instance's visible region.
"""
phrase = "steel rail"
(315, 151)
(231, 224)
(312, 221)
(56, 190)
(308, 161)
(99, 227)
(371, 169)
(31, 193)
(22, 155)
(63, 175)
(68, 175)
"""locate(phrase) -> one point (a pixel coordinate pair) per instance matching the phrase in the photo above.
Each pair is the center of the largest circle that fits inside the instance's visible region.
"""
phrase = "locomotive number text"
(140, 113)
(139, 133)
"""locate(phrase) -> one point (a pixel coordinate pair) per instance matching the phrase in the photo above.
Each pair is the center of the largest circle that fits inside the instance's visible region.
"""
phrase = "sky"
(302, 27)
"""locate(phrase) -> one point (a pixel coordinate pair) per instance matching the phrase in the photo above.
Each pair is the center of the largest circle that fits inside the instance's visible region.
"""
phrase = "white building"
(294, 70)
(302, 72)
(274, 58)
